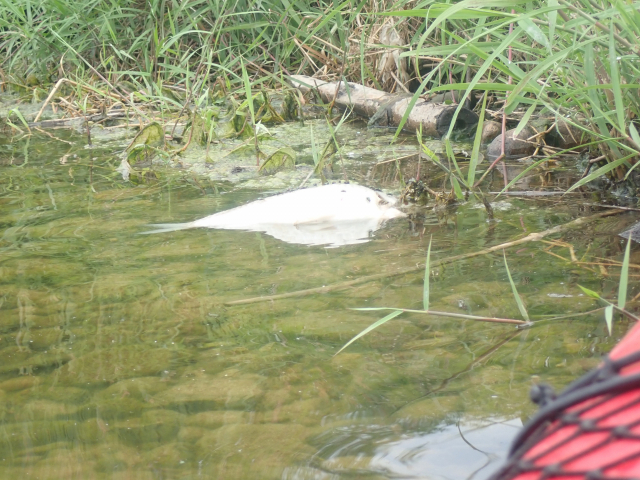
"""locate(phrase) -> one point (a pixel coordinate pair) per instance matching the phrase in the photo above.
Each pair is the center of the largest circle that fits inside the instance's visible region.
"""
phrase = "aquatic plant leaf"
(456, 188)
(608, 317)
(290, 106)
(152, 135)
(282, 159)
(373, 326)
(521, 307)
(425, 289)
(196, 129)
(452, 158)
(590, 293)
(271, 116)
(266, 112)
(624, 277)
(226, 129)
(18, 114)
(324, 161)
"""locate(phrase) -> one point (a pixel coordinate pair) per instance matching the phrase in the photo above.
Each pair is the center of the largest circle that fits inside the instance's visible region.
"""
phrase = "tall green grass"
(573, 60)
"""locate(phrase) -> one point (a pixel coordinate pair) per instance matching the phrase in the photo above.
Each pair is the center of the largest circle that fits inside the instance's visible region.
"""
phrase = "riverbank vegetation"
(575, 62)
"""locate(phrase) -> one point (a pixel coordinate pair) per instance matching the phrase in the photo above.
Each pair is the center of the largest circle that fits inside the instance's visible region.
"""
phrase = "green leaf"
(489, 62)
(437, 9)
(425, 291)
(608, 317)
(383, 320)
(456, 188)
(601, 171)
(452, 158)
(634, 134)
(553, 17)
(475, 153)
(615, 79)
(500, 87)
(590, 293)
(624, 277)
(521, 307)
(534, 31)
(525, 119)
(282, 159)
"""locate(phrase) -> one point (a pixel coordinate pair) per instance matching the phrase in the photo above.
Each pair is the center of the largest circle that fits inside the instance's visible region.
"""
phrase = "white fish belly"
(331, 214)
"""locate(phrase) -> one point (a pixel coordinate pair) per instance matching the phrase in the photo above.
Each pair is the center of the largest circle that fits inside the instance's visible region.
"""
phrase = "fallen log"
(388, 109)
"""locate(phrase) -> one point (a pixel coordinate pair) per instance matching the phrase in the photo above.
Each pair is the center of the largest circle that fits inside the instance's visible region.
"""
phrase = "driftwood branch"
(532, 237)
(385, 109)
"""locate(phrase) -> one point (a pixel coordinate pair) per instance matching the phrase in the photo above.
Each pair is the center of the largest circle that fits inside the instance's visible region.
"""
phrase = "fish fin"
(167, 227)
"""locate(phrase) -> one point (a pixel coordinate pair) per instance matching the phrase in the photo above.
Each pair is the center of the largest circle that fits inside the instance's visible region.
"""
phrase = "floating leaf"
(282, 159)
(152, 136)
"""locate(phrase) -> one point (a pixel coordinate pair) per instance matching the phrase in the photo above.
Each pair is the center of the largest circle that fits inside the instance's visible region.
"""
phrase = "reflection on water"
(450, 450)
(121, 360)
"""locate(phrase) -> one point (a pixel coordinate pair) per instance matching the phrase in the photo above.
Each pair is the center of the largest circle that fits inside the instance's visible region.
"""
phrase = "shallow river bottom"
(120, 359)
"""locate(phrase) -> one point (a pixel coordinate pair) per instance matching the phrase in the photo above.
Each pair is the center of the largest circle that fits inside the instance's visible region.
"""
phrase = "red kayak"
(590, 431)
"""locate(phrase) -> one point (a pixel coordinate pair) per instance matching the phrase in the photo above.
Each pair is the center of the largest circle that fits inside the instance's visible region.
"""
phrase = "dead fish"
(334, 215)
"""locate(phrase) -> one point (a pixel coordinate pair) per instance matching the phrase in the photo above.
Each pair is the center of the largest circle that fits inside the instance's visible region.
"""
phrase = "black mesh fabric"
(590, 431)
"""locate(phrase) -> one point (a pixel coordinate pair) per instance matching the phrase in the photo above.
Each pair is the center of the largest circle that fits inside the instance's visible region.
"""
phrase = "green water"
(120, 360)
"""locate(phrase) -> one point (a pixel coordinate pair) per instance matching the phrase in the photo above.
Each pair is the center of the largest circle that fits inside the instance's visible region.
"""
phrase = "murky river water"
(120, 359)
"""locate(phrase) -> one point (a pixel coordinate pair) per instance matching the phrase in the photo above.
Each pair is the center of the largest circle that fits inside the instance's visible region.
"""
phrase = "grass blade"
(608, 317)
(591, 293)
(383, 320)
(615, 80)
(477, 141)
(624, 277)
(601, 171)
(521, 307)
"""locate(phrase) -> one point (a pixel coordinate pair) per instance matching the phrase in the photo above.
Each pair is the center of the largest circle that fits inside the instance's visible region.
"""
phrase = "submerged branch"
(532, 237)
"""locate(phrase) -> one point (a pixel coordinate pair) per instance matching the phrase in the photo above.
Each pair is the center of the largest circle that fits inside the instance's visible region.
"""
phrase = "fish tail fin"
(167, 227)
